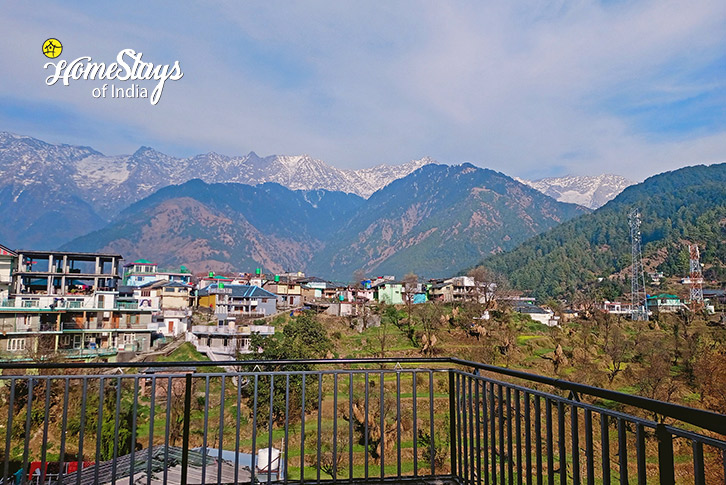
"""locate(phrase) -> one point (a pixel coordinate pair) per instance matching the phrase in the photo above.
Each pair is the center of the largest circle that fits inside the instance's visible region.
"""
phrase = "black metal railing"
(354, 420)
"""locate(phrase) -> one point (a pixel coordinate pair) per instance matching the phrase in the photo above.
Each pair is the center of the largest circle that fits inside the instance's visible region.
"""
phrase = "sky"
(530, 88)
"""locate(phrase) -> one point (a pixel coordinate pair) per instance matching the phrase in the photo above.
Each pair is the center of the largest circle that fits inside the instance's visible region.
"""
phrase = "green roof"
(142, 261)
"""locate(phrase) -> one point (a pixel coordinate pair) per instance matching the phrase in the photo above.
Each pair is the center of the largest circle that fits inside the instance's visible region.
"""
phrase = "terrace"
(440, 420)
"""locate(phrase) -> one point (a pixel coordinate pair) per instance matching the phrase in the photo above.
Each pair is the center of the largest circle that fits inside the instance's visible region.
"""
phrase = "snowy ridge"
(110, 183)
(589, 191)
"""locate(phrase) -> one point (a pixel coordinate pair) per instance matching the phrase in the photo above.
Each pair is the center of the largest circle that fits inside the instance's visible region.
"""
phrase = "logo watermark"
(128, 66)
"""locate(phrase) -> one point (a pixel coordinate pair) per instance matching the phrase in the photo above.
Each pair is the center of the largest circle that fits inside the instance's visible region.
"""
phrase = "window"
(129, 338)
(169, 290)
(16, 344)
(145, 292)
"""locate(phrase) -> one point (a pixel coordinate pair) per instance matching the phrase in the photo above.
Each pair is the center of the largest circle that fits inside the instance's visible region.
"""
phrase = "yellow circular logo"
(52, 48)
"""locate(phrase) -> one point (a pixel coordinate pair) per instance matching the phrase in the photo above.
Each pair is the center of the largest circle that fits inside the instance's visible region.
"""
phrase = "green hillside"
(686, 205)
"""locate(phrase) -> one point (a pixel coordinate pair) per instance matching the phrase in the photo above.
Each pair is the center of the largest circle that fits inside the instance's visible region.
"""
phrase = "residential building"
(69, 302)
(7, 265)
(243, 301)
(664, 303)
(225, 340)
(390, 292)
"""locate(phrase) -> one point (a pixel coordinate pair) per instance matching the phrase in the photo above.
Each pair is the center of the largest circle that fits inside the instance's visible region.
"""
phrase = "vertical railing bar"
(253, 467)
(320, 417)
(477, 412)
(335, 427)
(287, 429)
(471, 428)
(698, 467)
(269, 433)
(222, 392)
(398, 423)
(461, 427)
(623, 451)
(383, 429)
(538, 437)
(431, 423)
(117, 418)
(82, 431)
(485, 429)
(589, 448)
(500, 415)
(28, 422)
(350, 427)
(46, 420)
(185, 427)
(561, 441)
(452, 422)
(302, 432)
(205, 429)
(550, 443)
(605, 444)
(510, 445)
(665, 455)
(493, 432)
(575, 433)
(64, 427)
(415, 423)
(167, 429)
(238, 412)
(365, 426)
(133, 429)
(152, 413)
(640, 453)
(8, 434)
(99, 430)
(528, 438)
(518, 433)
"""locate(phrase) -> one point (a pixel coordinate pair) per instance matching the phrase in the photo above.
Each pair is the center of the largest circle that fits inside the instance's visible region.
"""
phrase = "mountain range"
(51, 193)
(434, 221)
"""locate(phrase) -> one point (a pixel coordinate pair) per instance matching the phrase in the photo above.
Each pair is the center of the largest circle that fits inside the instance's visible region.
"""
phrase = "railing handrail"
(704, 419)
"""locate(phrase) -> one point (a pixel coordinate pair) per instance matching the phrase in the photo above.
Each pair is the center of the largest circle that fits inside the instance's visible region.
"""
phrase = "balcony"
(355, 421)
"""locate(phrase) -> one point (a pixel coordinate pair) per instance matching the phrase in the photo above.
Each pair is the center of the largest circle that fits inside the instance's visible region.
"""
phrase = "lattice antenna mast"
(696, 277)
(639, 299)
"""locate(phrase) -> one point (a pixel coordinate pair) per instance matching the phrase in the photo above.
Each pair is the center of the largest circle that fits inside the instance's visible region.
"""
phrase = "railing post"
(185, 434)
(665, 455)
(452, 423)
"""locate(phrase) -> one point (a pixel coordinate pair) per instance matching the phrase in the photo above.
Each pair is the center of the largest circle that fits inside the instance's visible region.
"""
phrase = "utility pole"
(696, 277)
(638, 298)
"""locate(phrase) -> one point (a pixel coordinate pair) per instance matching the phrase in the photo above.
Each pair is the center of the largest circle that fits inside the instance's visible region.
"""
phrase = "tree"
(428, 315)
(410, 284)
(302, 338)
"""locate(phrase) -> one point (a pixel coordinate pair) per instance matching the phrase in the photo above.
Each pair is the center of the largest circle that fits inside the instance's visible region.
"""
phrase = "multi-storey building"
(68, 303)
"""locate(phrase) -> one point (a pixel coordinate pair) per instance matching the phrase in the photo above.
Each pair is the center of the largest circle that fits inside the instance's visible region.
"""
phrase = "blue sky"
(529, 88)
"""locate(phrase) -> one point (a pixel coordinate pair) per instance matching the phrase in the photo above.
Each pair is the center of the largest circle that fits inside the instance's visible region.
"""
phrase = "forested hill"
(678, 207)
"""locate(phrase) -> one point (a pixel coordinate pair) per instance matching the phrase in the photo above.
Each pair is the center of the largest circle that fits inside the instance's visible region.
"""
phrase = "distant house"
(313, 288)
(225, 340)
(7, 265)
(390, 292)
(288, 290)
(538, 314)
(142, 272)
(238, 301)
(664, 303)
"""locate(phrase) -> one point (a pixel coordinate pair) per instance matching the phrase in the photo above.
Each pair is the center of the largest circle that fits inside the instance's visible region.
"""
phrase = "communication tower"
(696, 277)
(638, 299)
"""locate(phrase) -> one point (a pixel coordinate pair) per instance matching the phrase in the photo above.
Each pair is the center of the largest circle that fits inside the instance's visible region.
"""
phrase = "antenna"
(696, 277)
(638, 298)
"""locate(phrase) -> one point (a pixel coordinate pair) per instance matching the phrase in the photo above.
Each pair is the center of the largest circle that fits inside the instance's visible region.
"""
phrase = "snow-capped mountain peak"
(591, 191)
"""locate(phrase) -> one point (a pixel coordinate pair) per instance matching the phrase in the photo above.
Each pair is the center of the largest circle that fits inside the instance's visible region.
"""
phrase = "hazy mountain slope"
(224, 226)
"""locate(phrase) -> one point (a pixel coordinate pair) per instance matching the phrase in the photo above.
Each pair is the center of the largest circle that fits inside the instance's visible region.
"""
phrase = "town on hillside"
(85, 306)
